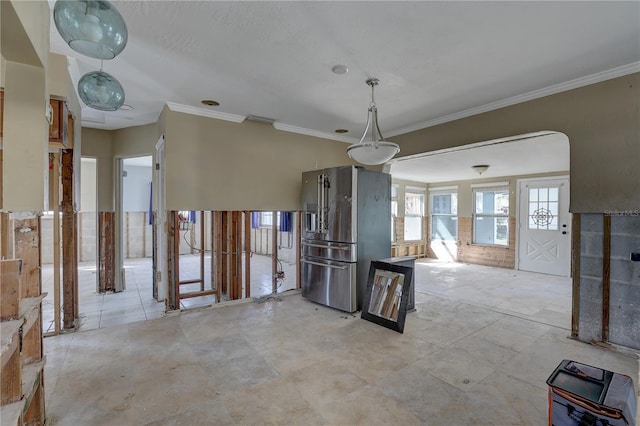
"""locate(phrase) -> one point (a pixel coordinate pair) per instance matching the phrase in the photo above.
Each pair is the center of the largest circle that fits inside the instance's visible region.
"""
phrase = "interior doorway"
(136, 219)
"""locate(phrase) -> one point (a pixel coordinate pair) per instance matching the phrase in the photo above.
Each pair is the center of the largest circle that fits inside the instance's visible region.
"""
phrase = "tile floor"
(477, 351)
(136, 302)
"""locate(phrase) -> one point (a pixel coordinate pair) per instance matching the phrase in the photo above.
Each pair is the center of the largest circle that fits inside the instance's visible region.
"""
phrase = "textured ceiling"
(435, 60)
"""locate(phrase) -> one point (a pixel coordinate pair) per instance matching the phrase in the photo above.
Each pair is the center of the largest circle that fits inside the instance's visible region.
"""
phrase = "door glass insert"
(543, 208)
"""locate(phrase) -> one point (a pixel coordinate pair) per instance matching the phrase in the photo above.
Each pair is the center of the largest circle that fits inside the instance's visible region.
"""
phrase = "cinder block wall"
(624, 278)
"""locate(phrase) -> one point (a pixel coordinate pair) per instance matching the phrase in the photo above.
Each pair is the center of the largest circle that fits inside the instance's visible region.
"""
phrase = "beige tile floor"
(136, 302)
(477, 351)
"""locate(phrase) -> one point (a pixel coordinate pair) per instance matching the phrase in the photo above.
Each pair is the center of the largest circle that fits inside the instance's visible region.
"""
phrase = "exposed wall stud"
(575, 275)
(69, 252)
(247, 253)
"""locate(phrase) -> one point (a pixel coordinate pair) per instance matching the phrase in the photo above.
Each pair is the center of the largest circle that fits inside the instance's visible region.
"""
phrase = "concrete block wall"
(591, 243)
(137, 237)
(624, 308)
(624, 278)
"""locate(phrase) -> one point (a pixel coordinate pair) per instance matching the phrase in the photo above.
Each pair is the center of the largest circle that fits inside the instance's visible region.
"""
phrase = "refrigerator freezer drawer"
(329, 283)
(343, 252)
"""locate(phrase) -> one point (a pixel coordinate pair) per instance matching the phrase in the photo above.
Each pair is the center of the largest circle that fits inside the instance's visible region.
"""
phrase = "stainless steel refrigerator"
(346, 225)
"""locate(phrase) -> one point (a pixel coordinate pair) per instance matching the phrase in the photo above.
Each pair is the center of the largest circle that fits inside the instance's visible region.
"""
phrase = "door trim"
(518, 207)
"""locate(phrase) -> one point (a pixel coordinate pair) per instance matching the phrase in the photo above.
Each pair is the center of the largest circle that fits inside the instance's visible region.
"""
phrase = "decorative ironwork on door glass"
(543, 208)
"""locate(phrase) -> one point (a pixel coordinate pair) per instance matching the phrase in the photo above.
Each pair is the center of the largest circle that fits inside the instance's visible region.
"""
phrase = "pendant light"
(100, 90)
(94, 28)
(372, 148)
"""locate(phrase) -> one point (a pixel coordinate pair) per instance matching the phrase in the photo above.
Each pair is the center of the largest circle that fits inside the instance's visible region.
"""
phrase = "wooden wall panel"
(498, 256)
(10, 270)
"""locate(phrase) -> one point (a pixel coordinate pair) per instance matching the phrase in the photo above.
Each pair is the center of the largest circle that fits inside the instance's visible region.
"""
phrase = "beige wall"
(58, 76)
(136, 141)
(97, 144)
(25, 49)
(602, 122)
(218, 165)
(106, 146)
(3, 69)
(25, 138)
(25, 31)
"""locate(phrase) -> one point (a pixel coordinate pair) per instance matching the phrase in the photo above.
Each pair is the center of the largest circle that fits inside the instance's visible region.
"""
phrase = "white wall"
(136, 189)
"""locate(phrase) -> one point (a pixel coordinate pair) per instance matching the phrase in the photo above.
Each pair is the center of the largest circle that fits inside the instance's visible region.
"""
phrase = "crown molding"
(540, 93)
(315, 133)
(187, 109)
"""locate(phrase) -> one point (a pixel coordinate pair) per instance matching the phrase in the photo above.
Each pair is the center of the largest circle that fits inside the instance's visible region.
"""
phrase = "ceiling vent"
(261, 119)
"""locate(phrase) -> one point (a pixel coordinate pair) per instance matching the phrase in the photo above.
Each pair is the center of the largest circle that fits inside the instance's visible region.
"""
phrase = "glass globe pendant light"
(100, 90)
(94, 28)
(372, 148)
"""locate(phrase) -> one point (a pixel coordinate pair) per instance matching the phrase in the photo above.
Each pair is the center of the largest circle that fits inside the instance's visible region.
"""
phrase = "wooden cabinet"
(56, 132)
(61, 127)
(21, 359)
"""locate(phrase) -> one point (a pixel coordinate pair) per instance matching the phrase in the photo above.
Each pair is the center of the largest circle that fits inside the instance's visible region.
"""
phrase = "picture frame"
(387, 294)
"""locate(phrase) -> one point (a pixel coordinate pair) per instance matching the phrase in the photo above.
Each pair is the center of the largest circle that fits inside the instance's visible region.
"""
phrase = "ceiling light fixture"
(341, 131)
(93, 28)
(100, 90)
(209, 102)
(372, 148)
(480, 168)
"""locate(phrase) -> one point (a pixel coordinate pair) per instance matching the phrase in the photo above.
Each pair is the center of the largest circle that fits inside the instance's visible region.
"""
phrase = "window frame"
(395, 188)
(438, 192)
(493, 187)
(411, 190)
(268, 223)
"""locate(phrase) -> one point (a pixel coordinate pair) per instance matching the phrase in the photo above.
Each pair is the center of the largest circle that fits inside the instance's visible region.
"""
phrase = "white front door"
(544, 224)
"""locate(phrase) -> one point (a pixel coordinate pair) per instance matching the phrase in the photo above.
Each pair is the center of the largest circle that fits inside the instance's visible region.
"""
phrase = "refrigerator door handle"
(323, 264)
(319, 207)
(325, 246)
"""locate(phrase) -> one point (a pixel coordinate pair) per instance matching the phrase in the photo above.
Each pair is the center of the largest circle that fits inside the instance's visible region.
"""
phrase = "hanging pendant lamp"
(94, 28)
(372, 148)
(100, 90)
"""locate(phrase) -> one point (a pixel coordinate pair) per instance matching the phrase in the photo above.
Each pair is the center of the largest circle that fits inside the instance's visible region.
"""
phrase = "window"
(543, 208)
(266, 219)
(394, 210)
(444, 216)
(413, 213)
(491, 215)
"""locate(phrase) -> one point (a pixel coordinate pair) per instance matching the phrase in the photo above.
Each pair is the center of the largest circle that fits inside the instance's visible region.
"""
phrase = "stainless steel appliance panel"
(373, 195)
(327, 197)
(345, 252)
(330, 283)
(346, 217)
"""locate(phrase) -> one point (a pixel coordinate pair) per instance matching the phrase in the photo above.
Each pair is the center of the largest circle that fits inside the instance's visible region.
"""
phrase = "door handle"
(323, 264)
